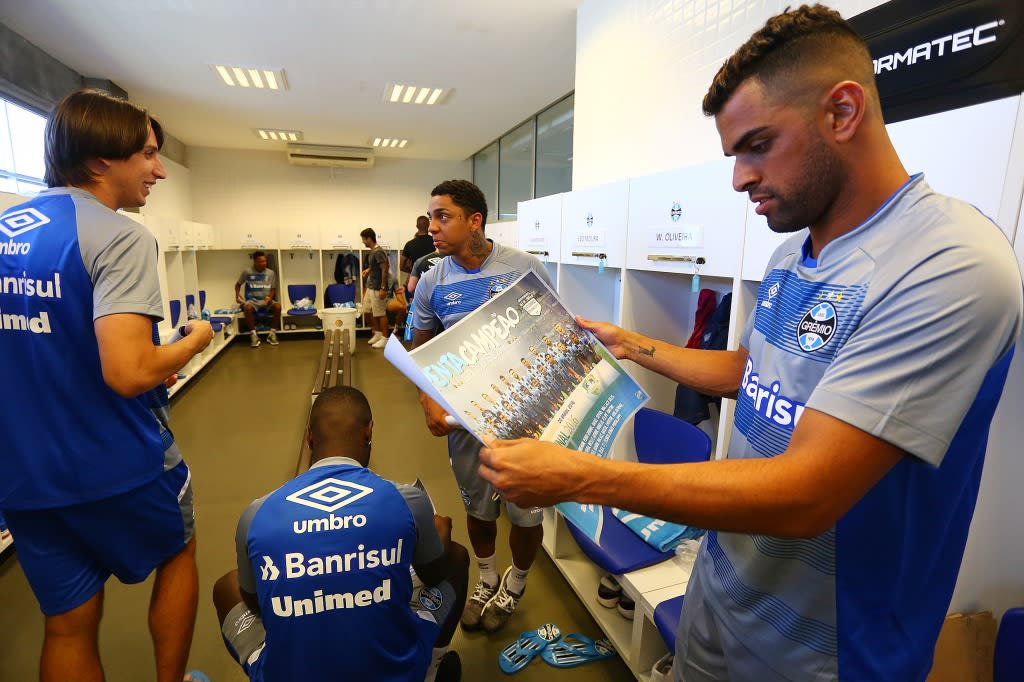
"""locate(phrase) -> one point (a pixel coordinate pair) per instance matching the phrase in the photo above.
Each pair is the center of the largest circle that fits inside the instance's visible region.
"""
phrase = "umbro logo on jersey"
(817, 327)
(453, 296)
(268, 571)
(773, 291)
(329, 494)
(243, 623)
(19, 222)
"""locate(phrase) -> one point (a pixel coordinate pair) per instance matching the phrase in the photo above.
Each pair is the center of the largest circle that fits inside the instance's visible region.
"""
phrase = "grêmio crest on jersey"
(812, 319)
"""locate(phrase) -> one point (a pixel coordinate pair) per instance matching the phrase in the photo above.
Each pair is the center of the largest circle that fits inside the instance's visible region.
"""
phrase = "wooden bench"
(333, 369)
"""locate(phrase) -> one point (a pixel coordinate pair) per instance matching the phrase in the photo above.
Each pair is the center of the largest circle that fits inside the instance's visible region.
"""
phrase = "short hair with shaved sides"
(795, 53)
(339, 413)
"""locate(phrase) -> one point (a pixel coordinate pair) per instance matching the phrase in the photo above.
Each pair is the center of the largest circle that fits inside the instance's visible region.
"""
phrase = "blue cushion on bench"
(621, 550)
(666, 618)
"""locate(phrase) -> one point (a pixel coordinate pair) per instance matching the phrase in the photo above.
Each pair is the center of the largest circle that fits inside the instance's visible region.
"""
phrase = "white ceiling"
(505, 59)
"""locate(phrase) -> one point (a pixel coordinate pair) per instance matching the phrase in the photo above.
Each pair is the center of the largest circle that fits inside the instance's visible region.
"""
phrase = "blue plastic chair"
(297, 292)
(659, 439)
(1008, 665)
(339, 293)
(175, 309)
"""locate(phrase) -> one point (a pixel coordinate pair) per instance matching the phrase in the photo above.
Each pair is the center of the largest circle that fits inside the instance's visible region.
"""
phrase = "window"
(21, 149)
(485, 175)
(554, 149)
(515, 170)
(533, 160)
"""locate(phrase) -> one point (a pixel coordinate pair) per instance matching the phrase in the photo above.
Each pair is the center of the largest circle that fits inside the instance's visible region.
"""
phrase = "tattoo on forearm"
(478, 247)
(646, 351)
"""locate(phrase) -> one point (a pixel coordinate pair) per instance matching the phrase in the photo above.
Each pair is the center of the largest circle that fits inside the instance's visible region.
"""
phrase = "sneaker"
(482, 594)
(254, 340)
(450, 668)
(626, 607)
(379, 343)
(608, 592)
(501, 606)
(377, 336)
(272, 338)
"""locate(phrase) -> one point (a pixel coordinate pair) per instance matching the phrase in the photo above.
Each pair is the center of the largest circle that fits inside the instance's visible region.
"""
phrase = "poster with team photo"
(520, 367)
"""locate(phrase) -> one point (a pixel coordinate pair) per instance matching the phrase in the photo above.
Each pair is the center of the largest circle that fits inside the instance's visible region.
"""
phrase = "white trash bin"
(341, 318)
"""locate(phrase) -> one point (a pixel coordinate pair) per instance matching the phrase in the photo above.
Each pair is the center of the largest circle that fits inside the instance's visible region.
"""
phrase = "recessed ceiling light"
(278, 135)
(256, 77)
(400, 93)
(388, 142)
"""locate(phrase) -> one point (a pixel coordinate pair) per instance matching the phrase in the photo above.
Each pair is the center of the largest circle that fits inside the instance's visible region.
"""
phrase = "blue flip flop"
(196, 676)
(519, 653)
(575, 649)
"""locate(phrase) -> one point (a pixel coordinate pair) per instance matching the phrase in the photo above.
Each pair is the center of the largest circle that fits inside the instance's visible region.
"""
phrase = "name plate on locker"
(536, 241)
(340, 244)
(298, 242)
(250, 241)
(676, 237)
(593, 239)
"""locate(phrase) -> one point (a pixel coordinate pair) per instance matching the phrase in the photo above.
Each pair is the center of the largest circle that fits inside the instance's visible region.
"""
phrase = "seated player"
(260, 291)
(325, 588)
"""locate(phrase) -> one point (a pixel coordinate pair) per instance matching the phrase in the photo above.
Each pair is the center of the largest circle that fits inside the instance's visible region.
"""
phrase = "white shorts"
(372, 302)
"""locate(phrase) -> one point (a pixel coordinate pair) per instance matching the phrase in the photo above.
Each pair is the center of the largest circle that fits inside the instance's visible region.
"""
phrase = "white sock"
(435, 661)
(516, 579)
(488, 572)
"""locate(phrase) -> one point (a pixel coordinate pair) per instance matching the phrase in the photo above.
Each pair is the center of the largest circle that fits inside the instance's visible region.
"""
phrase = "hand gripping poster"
(520, 367)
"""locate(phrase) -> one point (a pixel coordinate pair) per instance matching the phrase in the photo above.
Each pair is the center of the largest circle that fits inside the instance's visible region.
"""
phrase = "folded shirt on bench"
(662, 535)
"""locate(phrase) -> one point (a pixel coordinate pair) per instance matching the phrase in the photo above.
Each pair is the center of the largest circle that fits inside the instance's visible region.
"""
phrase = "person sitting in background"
(397, 306)
(310, 601)
(260, 291)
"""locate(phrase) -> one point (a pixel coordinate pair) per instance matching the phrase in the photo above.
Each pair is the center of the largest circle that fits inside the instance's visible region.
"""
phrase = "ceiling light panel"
(388, 142)
(404, 93)
(278, 135)
(251, 77)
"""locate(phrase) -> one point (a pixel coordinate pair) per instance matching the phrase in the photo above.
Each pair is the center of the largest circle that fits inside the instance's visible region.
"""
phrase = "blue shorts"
(246, 638)
(68, 553)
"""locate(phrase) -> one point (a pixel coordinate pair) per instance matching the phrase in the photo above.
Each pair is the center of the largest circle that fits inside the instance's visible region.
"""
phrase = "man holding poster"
(473, 270)
(865, 381)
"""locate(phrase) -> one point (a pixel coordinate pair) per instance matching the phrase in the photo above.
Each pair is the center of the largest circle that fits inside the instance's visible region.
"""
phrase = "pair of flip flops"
(554, 649)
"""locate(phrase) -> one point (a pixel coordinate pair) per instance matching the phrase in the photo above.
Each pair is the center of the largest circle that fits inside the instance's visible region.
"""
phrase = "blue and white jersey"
(448, 292)
(903, 328)
(257, 285)
(65, 261)
(328, 556)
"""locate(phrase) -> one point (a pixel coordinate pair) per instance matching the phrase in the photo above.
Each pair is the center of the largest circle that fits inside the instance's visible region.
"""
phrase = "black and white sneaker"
(608, 592)
(626, 607)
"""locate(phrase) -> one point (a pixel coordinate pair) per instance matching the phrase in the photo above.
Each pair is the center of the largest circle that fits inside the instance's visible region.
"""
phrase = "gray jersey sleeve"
(428, 543)
(246, 577)
(424, 317)
(934, 323)
(120, 256)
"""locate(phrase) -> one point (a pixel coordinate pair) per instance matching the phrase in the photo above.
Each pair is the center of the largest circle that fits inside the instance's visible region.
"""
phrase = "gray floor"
(239, 426)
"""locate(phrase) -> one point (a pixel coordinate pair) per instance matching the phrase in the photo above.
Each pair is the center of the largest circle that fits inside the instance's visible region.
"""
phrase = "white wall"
(642, 69)
(172, 196)
(234, 189)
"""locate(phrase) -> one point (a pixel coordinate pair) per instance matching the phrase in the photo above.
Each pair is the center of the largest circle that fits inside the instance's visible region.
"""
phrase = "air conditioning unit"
(330, 156)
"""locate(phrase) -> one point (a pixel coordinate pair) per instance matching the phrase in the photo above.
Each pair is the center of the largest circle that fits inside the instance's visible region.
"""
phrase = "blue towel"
(587, 517)
(662, 535)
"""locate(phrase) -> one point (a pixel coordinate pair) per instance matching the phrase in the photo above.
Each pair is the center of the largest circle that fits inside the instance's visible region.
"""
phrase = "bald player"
(324, 588)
